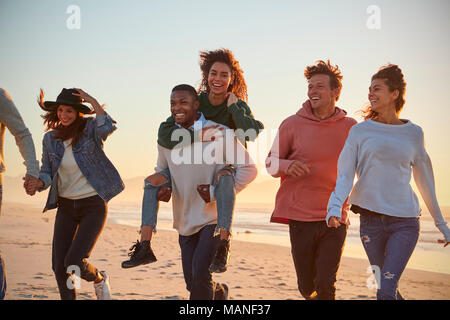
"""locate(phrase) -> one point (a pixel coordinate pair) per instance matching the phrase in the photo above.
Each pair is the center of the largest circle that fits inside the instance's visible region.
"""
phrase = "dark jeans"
(389, 243)
(197, 253)
(316, 250)
(78, 225)
(2, 263)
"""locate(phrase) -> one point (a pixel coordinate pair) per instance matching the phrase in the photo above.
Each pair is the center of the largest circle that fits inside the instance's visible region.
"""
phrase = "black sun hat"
(67, 98)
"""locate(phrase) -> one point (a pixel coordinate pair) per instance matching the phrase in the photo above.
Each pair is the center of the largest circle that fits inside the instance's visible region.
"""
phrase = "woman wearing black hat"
(82, 180)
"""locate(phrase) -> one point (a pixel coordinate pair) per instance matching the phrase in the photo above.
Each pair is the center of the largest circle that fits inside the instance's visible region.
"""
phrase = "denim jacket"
(90, 157)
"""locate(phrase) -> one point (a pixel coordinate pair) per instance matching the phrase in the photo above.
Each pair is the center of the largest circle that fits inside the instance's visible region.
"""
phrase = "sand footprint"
(171, 298)
(132, 294)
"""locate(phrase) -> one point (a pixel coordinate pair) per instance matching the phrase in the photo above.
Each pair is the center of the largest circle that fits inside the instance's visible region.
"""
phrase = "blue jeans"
(197, 253)
(150, 203)
(2, 263)
(224, 192)
(389, 243)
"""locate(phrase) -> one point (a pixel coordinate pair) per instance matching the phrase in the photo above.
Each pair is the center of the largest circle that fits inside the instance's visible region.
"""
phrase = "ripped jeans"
(224, 193)
(389, 243)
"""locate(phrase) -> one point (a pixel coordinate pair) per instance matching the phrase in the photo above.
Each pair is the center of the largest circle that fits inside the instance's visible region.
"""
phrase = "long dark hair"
(394, 79)
(51, 122)
(208, 58)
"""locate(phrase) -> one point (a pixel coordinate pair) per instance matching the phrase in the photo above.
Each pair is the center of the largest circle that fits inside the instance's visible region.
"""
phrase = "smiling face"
(66, 114)
(183, 106)
(219, 78)
(382, 100)
(320, 93)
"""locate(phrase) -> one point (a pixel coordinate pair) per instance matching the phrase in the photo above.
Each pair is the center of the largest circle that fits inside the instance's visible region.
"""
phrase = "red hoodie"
(317, 143)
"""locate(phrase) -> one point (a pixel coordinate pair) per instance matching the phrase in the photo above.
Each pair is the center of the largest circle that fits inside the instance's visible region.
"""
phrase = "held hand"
(231, 98)
(297, 169)
(333, 222)
(29, 184)
(446, 243)
(211, 133)
(32, 184)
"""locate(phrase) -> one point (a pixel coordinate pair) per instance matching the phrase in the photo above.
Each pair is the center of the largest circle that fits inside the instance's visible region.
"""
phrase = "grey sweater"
(10, 118)
(197, 164)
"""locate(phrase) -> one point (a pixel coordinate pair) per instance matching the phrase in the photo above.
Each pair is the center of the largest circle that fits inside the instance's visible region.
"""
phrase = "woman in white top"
(384, 151)
(82, 180)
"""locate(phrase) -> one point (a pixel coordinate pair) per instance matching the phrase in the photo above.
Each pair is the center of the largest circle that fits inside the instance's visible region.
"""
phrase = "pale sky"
(129, 55)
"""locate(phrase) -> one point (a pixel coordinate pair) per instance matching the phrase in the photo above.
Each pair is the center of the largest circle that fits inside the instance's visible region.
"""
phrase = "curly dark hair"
(322, 67)
(52, 122)
(394, 79)
(208, 58)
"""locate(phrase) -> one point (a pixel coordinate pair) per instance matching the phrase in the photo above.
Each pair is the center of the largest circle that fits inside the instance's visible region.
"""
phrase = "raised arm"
(105, 125)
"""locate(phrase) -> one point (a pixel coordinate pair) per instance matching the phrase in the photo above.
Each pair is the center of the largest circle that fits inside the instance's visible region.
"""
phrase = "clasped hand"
(31, 184)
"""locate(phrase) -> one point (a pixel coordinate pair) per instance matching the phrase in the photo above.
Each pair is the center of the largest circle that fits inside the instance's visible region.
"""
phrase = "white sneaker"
(102, 289)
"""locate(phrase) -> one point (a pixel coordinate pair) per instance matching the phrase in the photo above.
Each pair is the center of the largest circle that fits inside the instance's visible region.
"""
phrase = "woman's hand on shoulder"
(231, 98)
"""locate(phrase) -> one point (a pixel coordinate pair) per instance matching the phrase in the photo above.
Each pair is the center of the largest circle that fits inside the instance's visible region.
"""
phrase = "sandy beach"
(256, 271)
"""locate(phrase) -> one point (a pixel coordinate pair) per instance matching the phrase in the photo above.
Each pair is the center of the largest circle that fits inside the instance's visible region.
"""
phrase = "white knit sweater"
(383, 157)
(197, 164)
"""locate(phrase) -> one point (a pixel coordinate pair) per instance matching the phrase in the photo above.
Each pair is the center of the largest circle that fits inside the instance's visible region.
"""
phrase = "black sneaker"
(140, 253)
(221, 258)
(220, 291)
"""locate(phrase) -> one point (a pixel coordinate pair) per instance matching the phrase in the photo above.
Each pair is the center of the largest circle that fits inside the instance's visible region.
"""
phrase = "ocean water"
(253, 225)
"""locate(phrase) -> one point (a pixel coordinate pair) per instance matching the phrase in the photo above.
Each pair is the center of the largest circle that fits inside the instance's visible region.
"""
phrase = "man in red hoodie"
(305, 154)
